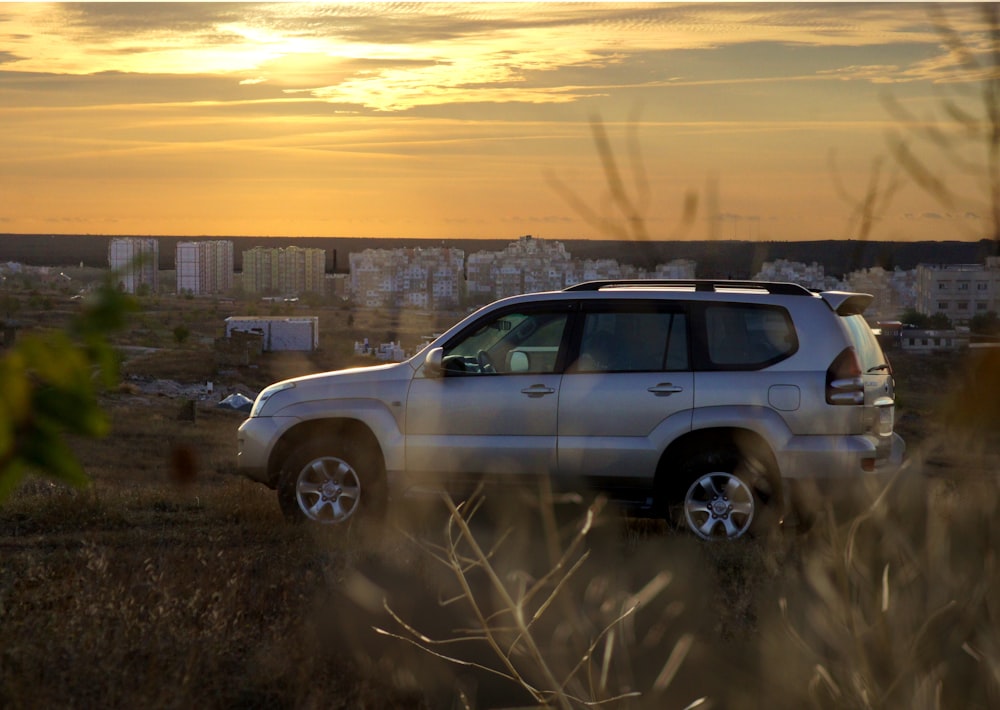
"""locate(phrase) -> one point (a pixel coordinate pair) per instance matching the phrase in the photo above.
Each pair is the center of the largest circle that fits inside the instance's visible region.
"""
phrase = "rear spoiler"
(847, 304)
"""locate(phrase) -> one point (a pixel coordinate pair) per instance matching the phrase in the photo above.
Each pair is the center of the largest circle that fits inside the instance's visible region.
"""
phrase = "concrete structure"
(929, 341)
(960, 291)
(135, 263)
(278, 332)
(204, 267)
(288, 271)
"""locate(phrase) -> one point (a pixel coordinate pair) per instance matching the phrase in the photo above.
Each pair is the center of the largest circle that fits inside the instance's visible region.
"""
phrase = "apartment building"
(135, 262)
(527, 265)
(445, 278)
(960, 291)
(532, 264)
(288, 271)
(425, 279)
(204, 267)
(894, 291)
(809, 275)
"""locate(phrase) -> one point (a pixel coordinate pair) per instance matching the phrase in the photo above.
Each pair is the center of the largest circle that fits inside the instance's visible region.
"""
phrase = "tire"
(331, 483)
(725, 498)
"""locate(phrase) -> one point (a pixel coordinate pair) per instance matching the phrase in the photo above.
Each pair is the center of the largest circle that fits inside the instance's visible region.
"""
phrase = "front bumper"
(255, 440)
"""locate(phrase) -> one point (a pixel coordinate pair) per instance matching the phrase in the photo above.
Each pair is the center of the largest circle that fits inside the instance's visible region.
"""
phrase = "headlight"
(266, 394)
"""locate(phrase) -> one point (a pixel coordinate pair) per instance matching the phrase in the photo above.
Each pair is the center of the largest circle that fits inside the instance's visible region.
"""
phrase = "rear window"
(748, 336)
(865, 343)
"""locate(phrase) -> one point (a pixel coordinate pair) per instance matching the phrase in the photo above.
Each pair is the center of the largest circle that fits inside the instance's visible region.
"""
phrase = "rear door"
(628, 389)
(735, 345)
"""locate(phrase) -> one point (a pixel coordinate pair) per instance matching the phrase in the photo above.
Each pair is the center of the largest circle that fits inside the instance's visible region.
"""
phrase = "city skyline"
(461, 120)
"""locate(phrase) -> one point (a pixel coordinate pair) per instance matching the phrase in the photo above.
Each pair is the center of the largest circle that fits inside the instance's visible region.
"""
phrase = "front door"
(494, 410)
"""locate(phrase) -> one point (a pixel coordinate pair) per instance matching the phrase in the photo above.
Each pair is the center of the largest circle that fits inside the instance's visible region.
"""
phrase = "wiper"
(876, 368)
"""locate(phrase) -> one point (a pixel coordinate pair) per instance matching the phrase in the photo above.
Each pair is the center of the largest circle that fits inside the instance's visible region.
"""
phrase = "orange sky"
(439, 120)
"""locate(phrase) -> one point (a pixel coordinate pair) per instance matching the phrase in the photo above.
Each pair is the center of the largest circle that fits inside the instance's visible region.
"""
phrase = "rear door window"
(747, 336)
(633, 338)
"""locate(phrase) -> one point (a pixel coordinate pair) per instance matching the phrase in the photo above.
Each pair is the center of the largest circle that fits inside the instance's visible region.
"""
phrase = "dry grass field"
(171, 582)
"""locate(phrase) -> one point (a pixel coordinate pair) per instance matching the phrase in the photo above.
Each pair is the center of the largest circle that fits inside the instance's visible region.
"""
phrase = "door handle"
(537, 390)
(665, 389)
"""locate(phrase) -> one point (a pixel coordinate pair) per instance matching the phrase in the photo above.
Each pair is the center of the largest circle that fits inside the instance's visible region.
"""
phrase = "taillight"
(844, 384)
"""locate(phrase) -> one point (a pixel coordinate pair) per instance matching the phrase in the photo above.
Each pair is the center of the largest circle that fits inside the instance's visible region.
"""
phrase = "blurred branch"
(629, 222)
(509, 605)
(869, 207)
(964, 129)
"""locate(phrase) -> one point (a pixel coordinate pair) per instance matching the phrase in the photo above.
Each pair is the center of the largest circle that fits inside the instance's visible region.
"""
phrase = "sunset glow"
(441, 120)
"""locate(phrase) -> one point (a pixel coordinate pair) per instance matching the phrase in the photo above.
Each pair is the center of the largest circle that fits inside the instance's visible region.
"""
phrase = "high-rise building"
(287, 271)
(135, 262)
(204, 267)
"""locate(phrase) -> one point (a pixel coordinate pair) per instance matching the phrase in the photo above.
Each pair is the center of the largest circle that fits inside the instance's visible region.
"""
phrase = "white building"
(135, 263)
(278, 332)
(204, 267)
(960, 291)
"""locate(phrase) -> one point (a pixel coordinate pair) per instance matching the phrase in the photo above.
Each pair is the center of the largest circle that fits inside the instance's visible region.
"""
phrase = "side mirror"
(433, 366)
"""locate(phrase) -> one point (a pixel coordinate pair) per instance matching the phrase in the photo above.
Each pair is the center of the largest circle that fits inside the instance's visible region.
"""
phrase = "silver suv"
(701, 401)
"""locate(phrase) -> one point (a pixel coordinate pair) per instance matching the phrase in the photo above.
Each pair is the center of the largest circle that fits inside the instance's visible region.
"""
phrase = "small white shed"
(278, 332)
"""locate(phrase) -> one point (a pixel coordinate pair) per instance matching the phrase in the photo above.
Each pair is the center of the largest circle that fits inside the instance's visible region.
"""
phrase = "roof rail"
(775, 287)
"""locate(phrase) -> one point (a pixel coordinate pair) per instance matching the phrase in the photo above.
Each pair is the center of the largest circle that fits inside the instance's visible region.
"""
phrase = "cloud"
(942, 216)
(395, 57)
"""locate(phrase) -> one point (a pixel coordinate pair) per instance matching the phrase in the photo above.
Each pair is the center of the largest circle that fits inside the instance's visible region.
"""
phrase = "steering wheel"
(485, 363)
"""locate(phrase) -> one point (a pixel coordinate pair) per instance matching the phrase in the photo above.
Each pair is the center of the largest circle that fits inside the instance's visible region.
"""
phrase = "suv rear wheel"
(330, 483)
(725, 498)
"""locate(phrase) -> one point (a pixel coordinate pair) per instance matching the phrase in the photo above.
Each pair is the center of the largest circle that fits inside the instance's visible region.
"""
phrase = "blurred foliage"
(50, 384)
(937, 321)
(972, 406)
(181, 334)
(985, 323)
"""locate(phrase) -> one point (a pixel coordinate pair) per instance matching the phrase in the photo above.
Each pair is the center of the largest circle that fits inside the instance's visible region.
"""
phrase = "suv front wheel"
(324, 482)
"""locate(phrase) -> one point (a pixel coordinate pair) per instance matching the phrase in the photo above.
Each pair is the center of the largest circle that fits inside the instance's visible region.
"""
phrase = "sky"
(479, 120)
